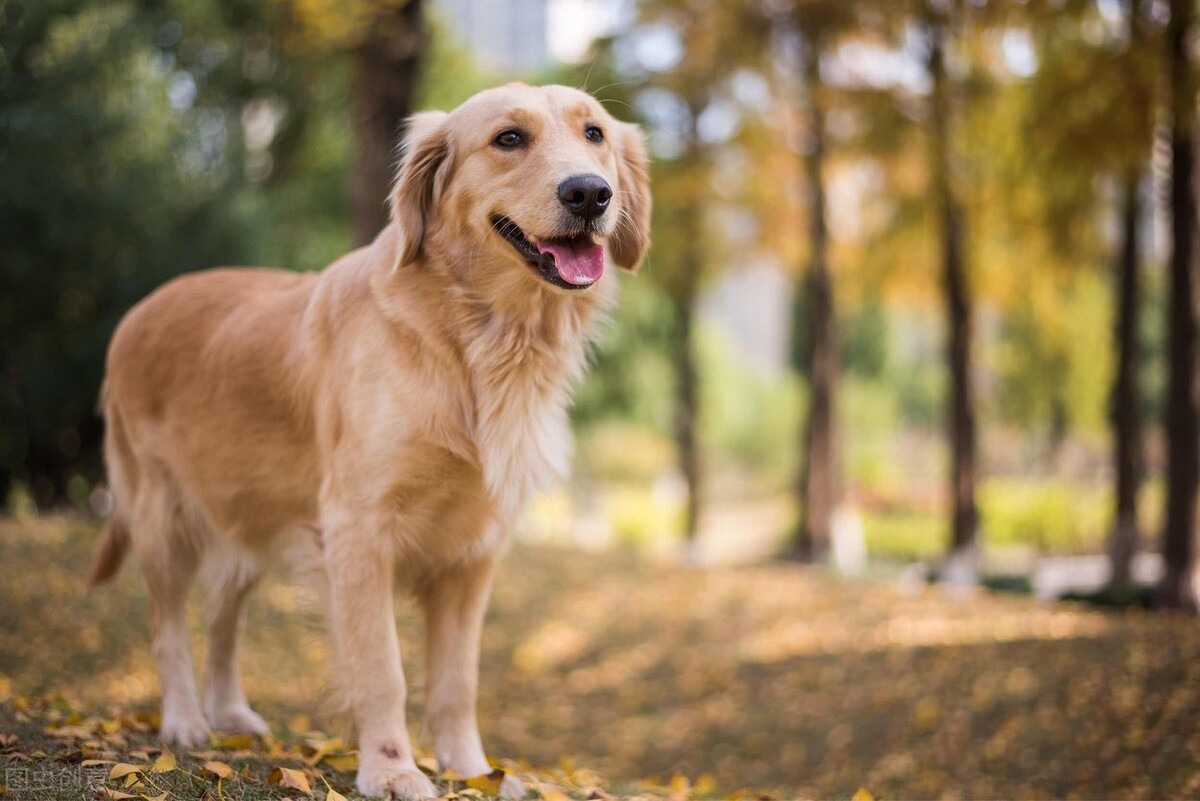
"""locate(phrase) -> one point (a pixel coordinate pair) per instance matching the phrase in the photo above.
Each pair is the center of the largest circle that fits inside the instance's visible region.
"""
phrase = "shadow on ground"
(774, 678)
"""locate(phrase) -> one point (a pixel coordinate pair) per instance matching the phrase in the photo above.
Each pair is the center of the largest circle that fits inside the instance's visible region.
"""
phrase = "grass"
(602, 671)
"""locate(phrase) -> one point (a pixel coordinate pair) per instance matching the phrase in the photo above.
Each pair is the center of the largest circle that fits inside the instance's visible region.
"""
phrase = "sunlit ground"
(776, 679)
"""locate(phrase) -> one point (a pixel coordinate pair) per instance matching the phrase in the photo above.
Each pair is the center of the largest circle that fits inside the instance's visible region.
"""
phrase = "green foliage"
(631, 377)
(1051, 515)
(110, 187)
(1048, 364)
(745, 416)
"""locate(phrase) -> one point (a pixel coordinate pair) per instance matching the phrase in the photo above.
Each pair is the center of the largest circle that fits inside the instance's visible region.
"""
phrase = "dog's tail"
(114, 538)
(110, 551)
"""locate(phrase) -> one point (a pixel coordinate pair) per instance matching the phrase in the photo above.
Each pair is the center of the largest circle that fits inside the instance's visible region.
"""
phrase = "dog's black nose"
(585, 196)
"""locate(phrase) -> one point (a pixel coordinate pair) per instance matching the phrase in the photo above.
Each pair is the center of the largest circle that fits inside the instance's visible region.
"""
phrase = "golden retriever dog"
(389, 417)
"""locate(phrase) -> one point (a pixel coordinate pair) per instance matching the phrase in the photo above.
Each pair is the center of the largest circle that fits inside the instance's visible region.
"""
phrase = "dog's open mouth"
(570, 262)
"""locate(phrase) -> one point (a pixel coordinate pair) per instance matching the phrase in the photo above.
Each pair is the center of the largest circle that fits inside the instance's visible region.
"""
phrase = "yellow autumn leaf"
(323, 749)
(343, 763)
(232, 742)
(489, 783)
(218, 769)
(290, 777)
(551, 794)
(680, 786)
(122, 769)
(333, 795)
(862, 794)
(111, 793)
(165, 762)
(110, 726)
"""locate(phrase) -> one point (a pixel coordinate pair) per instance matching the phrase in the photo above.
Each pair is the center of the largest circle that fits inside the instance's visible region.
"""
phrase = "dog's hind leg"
(224, 701)
(169, 554)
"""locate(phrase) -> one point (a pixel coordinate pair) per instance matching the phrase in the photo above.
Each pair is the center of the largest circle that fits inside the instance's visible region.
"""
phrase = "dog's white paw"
(512, 787)
(187, 731)
(396, 783)
(240, 719)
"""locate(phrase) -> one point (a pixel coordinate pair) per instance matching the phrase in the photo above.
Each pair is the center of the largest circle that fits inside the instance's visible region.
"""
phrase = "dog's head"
(540, 180)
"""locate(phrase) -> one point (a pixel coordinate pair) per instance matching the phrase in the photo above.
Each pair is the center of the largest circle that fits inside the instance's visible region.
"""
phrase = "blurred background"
(920, 315)
(910, 295)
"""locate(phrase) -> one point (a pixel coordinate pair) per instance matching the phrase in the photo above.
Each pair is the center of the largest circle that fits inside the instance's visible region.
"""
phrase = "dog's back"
(200, 403)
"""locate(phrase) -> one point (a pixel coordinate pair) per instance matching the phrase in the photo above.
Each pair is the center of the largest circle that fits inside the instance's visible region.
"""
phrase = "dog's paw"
(408, 784)
(240, 719)
(511, 787)
(185, 731)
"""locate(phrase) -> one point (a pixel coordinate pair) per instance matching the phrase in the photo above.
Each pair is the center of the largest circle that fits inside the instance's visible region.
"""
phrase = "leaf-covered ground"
(603, 674)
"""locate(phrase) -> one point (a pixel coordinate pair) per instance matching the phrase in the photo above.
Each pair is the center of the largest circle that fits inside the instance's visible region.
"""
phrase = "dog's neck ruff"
(524, 347)
(523, 368)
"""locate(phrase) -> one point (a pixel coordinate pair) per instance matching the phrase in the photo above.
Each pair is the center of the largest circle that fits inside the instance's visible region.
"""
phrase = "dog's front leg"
(454, 604)
(362, 620)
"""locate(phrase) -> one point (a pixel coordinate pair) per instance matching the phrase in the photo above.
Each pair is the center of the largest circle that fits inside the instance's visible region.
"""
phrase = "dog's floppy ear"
(632, 238)
(420, 179)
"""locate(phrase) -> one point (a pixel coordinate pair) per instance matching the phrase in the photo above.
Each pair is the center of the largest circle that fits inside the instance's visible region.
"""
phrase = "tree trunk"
(816, 487)
(1125, 421)
(1182, 423)
(961, 413)
(686, 409)
(387, 69)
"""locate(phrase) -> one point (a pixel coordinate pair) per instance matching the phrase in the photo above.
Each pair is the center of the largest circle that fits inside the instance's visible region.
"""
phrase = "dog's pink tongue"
(579, 261)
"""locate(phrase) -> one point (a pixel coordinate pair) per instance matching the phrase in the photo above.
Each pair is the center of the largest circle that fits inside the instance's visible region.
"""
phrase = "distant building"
(505, 34)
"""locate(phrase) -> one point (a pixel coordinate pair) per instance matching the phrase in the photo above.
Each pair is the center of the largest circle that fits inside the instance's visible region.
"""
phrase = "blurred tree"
(388, 62)
(1178, 585)
(1088, 152)
(117, 145)
(961, 408)
(386, 40)
(678, 86)
(811, 26)
(1126, 400)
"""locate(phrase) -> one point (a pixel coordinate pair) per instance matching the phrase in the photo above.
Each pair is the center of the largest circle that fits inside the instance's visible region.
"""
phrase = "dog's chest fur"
(522, 374)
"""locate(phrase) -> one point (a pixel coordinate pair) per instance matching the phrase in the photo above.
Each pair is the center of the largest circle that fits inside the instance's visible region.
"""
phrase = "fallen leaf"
(218, 769)
(232, 742)
(165, 762)
(333, 795)
(862, 794)
(111, 793)
(122, 769)
(488, 782)
(344, 763)
(550, 794)
(290, 777)
(322, 749)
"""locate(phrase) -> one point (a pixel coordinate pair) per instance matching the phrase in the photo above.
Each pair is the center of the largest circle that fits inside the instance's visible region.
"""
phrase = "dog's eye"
(593, 134)
(509, 139)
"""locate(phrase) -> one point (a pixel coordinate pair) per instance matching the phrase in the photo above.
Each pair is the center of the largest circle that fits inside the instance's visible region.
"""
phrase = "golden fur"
(383, 421)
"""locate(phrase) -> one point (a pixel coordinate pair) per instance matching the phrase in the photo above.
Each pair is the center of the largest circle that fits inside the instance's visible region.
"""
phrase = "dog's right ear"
(420, 179)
